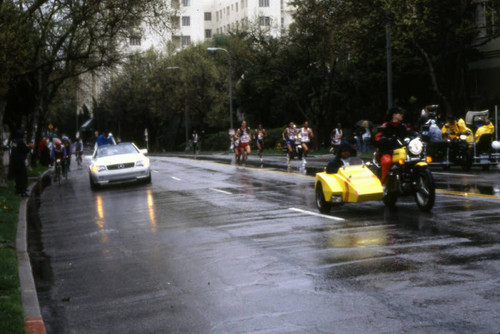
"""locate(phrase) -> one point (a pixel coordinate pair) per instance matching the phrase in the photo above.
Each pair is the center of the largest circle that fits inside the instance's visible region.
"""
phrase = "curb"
(33, 321)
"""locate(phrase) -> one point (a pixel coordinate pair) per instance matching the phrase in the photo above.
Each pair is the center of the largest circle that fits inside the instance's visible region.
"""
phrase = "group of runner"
(242, 137)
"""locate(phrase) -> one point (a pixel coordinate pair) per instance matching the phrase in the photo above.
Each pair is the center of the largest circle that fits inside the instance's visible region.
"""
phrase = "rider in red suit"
(387, 138)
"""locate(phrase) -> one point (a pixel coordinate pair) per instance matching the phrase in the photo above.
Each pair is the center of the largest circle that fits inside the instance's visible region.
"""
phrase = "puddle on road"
(492, 190)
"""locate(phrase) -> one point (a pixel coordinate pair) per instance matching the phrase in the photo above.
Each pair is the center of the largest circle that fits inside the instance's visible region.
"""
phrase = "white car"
(118, 163)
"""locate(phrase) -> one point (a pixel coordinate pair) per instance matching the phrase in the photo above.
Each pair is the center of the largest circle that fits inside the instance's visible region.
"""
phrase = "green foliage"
(15, 43)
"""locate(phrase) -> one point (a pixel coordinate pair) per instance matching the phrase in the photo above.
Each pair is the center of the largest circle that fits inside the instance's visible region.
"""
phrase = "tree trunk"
(3, 176)
(432, 74)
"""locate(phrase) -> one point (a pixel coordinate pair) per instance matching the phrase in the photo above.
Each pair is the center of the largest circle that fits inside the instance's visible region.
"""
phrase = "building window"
(176, 40)
(186, 21)
(185, 3)
(208, 16)
(208, 33)
(237, 6)
(176, 22)
(263, 3)
(227, 11)
(186, 40)
(264, 20)
(135, 40)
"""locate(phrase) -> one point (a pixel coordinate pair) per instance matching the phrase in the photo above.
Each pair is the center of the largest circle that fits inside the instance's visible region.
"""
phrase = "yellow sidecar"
(351, 184)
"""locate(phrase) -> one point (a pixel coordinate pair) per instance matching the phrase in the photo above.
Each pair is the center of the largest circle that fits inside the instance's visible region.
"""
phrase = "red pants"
(386, 163)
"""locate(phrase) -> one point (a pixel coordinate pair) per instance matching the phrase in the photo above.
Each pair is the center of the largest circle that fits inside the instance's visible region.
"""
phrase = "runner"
(336, 137)
(306, 134)
(196, 138)
(259, 135)
(289, 135)
(236, 146)
(231, 140)
(244, 133)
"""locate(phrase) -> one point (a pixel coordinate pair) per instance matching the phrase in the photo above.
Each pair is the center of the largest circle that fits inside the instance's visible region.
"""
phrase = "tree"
(15, 48)
(444, 34)
(76, 37)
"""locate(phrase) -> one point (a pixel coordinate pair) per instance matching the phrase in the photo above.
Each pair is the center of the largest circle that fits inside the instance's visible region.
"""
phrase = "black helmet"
(394, 110)
(346, 146)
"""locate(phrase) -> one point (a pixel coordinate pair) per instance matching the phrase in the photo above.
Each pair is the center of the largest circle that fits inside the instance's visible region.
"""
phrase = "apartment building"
(197, 21)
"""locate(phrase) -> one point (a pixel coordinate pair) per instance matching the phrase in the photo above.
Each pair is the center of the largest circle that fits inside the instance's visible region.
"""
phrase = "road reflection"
(151, 209)
(100, 219)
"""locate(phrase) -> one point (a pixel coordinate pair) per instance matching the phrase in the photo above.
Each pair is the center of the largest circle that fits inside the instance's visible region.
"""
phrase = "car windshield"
(109, 150)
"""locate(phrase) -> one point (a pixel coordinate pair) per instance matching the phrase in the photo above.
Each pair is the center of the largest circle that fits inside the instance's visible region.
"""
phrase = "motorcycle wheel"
(321, 203)
(390, 198)
(426, 190)
(57, 177)
(467, 163)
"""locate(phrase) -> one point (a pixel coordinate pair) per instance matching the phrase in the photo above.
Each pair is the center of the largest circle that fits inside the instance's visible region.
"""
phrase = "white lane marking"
(155, 171)
(317, 214)
(221, 191)
(176, 178)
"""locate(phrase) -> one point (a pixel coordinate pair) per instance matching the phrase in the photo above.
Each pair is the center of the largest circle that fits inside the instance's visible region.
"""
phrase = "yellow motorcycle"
(359, 182)
(410, 175)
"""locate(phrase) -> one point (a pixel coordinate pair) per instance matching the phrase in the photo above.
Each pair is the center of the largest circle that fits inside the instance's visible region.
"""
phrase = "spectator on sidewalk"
(19, 153)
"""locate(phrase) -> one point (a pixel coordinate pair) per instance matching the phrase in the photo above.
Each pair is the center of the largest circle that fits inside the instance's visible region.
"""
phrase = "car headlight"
(142, 163)
(98, 168)
(416, 146)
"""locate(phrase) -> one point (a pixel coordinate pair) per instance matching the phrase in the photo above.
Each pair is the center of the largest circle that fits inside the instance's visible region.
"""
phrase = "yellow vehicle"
(409, 175)
(485, 143)
(351, 184)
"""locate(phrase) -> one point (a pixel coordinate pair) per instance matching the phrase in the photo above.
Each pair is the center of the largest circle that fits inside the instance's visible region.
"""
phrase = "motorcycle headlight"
(495, 145)
(415, 146)
(463, 137)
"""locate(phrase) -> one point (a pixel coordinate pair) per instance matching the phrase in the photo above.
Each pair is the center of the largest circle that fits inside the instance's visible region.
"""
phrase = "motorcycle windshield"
(355, 161)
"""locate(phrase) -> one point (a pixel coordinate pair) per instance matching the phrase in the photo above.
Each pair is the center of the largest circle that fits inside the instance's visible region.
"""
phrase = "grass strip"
(11, 314)
(11, 309)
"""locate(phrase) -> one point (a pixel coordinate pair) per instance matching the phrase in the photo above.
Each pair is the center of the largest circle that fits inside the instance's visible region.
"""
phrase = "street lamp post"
(230, 84)
(185, 104)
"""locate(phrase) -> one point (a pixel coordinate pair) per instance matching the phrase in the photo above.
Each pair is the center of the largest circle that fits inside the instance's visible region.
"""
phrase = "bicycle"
(57, 170)
(78, 158)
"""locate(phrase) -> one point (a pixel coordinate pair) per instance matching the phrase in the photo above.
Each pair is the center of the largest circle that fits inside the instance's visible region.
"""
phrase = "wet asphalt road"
(212, 248)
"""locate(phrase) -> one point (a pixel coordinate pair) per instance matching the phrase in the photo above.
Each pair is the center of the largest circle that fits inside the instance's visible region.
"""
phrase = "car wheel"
(321, 203)
(93, 185)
